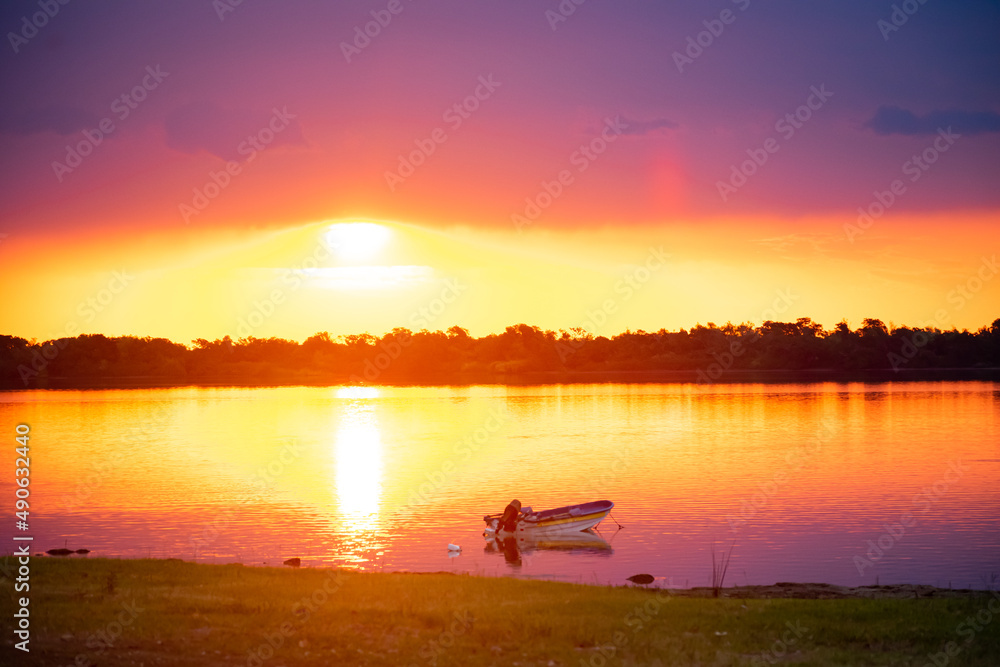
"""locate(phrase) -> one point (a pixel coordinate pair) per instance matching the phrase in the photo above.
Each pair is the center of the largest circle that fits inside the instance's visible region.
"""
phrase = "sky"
(196, 169)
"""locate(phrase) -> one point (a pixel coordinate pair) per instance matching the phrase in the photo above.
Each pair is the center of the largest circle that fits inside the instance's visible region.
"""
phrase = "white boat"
(570, 519)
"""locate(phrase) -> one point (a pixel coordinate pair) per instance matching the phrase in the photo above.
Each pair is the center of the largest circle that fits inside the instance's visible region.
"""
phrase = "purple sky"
(890, 91)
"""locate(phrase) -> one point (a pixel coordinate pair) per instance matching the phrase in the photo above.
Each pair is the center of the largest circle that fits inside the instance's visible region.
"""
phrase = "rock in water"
(293, 562)
(642, 579)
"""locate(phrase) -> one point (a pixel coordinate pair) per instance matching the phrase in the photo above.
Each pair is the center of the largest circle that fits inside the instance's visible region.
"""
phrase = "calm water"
(796, 477)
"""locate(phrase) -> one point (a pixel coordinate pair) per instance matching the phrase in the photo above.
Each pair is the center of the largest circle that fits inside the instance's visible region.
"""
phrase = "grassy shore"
(149, 612)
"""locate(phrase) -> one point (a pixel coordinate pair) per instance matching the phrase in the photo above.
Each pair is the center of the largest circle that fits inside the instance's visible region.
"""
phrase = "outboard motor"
(508, 521)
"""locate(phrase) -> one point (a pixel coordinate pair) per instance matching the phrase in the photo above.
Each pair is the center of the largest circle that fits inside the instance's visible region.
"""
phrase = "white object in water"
(454, 547)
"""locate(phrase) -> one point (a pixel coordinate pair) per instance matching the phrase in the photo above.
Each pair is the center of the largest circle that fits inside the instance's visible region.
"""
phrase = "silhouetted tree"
(438, 355)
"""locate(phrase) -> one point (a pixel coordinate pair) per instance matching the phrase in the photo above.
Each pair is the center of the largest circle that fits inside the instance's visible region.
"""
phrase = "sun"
(357, 242)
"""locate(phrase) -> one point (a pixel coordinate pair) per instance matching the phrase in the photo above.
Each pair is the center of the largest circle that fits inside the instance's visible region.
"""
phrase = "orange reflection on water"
(800, 475)
(358, 462)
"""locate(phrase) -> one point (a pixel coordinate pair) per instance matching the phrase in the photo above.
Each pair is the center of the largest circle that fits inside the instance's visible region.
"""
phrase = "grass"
(719, 569)
(132, 612)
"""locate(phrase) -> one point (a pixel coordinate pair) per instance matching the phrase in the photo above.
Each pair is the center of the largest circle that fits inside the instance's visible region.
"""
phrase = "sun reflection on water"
(358, 460)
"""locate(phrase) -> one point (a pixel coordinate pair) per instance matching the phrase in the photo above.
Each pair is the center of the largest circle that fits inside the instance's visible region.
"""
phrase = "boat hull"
(569, 519)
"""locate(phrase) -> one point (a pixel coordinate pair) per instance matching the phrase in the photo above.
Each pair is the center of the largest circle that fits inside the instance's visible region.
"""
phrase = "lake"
(842, 483)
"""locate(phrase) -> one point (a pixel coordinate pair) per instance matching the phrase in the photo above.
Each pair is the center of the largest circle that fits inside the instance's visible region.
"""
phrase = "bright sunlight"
(357, 242)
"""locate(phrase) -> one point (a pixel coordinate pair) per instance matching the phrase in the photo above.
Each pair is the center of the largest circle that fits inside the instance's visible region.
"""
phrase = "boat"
(515, 521)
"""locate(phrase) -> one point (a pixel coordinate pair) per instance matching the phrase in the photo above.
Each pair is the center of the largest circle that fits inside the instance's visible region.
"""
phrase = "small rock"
(293, 562)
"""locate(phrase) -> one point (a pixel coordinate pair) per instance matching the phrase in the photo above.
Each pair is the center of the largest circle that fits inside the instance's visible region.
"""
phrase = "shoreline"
(169, 612)
(779, 590)
(528, 378)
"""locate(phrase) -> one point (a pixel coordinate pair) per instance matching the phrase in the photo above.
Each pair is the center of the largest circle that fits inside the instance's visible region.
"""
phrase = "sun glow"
(357, 242)
(352, 278)
(294, 282)
(357, 392)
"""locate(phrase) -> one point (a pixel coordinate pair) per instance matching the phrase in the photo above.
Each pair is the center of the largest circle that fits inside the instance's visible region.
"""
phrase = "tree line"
(705, 353)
